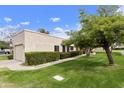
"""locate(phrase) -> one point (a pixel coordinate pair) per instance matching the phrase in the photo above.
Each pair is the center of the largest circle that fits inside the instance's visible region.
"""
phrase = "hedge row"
(118, 49)
(35, 58)
(10, 56)
(69, 54)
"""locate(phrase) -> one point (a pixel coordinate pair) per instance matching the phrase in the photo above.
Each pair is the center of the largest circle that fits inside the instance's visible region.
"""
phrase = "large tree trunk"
(111, 49)
(109, 55)
(87, 51)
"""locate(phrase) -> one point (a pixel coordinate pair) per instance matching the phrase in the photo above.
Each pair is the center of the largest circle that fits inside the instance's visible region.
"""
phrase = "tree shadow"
(86, 64)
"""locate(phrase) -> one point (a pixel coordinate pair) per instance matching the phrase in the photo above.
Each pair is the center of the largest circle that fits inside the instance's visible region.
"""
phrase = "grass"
(92, 72)
(3, 57)
(118, 50)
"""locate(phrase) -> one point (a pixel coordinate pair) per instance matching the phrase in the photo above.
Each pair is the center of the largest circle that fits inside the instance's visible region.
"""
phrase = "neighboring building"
(121, 46)
(28, 41)
(99, 49)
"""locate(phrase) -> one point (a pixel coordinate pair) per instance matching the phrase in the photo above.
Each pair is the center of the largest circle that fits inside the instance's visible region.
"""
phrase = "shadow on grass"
(116, 54)
(83, 63)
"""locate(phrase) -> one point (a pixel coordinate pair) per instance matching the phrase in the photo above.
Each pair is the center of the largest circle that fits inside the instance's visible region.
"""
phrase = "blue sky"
(55, 19)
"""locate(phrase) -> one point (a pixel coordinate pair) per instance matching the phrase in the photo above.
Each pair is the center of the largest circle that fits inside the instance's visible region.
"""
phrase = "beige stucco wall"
(35, 41)
(18, 38)
(18, 46)
(28, 41)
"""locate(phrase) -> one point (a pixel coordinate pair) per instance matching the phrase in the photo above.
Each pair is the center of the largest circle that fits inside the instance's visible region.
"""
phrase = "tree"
(105, 29)
(4, 45)
(80, 40)
(41, 30)
(108, 10)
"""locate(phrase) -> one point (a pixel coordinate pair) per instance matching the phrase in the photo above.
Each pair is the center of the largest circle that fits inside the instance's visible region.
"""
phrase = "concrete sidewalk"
(17, 65)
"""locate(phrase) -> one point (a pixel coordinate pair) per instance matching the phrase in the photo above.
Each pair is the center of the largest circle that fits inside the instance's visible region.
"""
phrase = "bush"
(10, 56)
(35, 58)
(69, 54)
(75, 53)
(118, 49)
(64, 55)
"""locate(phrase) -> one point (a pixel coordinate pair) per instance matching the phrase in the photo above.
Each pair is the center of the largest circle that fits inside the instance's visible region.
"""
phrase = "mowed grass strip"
(85, 72)
(3, 57)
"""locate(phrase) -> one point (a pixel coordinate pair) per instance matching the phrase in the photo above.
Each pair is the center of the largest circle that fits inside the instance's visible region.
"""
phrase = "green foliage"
(35, 58)
(42, 30)
(3, 58)
(105, 30)
(75, 53)
(93, 72)
(4, 45)
(107, 10)
(10, 56)
(118, 49)
(64, 55)
(6, 57)
(107, 27)
(80, 39)
(67, 42)
(69, 54)
(100, 30)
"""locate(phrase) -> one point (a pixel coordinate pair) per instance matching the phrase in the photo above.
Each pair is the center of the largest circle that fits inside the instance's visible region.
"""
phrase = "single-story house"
(29, 41)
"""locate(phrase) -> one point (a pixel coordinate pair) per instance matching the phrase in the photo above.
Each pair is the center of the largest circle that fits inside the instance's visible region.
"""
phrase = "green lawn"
(92, 72)
(118, 50)
(3, 57)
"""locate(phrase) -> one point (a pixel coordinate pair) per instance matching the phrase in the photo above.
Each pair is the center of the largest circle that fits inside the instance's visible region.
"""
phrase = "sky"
(55, 19)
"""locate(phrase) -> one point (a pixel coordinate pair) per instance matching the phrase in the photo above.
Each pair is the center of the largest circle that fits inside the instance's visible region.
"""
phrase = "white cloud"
(25, 23)
(58, 29)
(55, 19)
(7, 19)
(60, 32)
(67, 26)
(7, 30)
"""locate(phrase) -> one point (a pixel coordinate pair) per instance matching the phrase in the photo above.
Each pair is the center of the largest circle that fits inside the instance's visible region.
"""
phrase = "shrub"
(69, 54)
(75, 53)
(118, 49)
(65, 55)
(35, 58)
(10, 56)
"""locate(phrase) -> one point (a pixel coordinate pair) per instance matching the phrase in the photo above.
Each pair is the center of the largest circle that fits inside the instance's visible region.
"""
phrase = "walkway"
(17, 65)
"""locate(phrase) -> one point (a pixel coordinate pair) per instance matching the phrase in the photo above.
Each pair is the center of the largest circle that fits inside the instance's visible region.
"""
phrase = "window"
(63, 48)
(56, 48)
(71, 48)
(67, 48)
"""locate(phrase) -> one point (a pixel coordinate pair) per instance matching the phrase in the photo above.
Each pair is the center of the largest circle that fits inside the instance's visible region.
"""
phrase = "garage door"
(19, 52)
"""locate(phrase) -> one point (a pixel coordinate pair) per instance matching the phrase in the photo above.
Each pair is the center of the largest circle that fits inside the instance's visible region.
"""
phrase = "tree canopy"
(100, 30)
(42, 30)
(4, 45)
